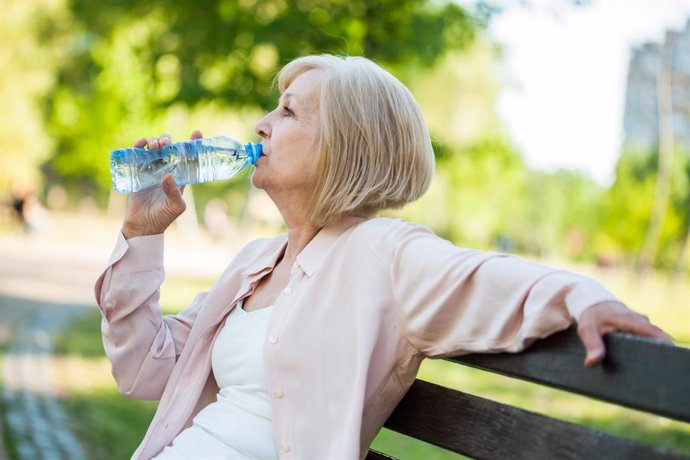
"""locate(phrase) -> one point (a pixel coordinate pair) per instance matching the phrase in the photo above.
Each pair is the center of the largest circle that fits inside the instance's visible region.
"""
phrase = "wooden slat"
(639, 373)
(485, 429)
(374, 455)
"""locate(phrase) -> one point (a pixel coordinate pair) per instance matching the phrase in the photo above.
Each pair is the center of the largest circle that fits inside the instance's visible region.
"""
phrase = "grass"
(111, 426)
(627, 423)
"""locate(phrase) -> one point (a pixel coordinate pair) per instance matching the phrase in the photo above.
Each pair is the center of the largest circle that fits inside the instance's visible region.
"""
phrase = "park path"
(35, 421)
(42, 288)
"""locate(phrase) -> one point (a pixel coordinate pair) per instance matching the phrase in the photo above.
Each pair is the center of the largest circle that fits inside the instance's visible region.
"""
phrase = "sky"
(565, 71)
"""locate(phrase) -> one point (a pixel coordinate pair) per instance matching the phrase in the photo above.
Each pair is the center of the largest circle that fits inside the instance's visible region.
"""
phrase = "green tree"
(130, 63)
(89, 116)
(627, 209)
(561, 214)
(484, 186)
(229, 49)
(27, 67)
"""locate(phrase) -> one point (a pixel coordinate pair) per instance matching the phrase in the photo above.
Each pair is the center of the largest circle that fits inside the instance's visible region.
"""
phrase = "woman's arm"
(455, 300)
(141, 344)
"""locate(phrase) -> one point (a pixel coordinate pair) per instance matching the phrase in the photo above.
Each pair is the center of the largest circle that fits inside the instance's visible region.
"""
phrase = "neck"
(300, 229)
(298, 239)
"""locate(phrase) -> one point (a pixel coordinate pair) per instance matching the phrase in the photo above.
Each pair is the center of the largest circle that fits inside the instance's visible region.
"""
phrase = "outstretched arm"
(454, 300)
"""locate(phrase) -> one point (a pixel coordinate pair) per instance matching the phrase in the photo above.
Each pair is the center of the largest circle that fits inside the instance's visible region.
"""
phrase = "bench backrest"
(638, 373)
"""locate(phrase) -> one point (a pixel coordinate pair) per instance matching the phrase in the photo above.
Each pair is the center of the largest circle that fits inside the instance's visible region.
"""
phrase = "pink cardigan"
(366, 302)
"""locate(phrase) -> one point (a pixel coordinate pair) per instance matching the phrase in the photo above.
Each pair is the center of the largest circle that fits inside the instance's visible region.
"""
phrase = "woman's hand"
(600, 319)
(151, 211)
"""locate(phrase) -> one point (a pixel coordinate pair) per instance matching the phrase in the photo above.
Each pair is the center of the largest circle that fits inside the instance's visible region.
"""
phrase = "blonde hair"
(374, 148)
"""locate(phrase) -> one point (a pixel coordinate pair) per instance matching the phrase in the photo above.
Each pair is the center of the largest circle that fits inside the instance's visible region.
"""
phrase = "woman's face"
(290, 138)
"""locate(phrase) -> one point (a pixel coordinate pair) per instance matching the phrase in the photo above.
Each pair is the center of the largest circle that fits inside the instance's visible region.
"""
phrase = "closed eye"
(287, 112)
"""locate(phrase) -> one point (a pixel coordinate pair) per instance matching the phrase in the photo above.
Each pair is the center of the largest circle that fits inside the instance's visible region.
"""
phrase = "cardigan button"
(278, 394)
(285, 448)
(287, 290)
(273, 339)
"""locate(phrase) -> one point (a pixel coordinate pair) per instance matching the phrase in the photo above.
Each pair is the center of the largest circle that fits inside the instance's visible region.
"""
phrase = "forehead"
(306, 87)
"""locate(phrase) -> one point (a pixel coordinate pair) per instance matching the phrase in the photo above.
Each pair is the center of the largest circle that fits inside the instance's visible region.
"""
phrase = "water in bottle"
(191, 161)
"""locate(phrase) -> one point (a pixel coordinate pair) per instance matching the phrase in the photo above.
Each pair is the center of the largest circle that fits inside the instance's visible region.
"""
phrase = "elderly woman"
(308, 340)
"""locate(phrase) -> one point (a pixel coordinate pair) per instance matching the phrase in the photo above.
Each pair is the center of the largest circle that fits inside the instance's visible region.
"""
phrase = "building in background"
(654, 66)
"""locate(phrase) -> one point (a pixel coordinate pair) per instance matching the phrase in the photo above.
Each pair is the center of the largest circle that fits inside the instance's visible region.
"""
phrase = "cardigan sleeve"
(141, 344)
(452, 300)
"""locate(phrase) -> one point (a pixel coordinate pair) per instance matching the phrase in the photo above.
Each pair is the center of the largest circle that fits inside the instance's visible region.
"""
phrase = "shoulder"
(390, 229)
(386, 235)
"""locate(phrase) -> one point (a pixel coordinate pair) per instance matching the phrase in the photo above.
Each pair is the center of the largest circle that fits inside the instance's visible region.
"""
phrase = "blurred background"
(561, 129)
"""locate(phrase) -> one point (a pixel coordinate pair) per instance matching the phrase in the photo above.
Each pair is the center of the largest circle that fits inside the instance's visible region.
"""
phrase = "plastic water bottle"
(190, 162)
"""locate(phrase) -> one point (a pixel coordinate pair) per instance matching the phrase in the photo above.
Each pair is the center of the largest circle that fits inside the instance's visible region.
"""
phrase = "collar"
(269, 260)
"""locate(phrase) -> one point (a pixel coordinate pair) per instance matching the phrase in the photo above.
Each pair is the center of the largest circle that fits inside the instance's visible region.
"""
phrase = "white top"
(239, 424)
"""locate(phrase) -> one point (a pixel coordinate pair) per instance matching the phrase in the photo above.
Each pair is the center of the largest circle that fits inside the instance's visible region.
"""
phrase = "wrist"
(133, 231)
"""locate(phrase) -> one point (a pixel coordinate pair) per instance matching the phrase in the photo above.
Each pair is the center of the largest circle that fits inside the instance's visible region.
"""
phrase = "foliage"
(129, 64)
(88, 118)
(627, 206)
(561, 210)
(482, 204)
(108, 72)
(23, 141)
(229, 49)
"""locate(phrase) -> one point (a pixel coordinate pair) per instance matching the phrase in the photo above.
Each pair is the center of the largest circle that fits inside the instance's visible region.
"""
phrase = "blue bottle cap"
(254, 151)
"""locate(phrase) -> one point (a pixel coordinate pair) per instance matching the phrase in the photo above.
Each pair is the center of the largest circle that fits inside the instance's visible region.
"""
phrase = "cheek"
(308, 169)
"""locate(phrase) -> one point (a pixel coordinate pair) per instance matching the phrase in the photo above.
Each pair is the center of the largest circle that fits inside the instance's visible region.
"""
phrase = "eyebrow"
(303, 105)
(285, 96)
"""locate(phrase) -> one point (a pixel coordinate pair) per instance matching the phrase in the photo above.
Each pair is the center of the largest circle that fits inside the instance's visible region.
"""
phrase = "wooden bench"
(638, 373)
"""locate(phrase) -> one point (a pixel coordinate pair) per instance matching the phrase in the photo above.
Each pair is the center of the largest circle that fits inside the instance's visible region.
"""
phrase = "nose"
(263, 127)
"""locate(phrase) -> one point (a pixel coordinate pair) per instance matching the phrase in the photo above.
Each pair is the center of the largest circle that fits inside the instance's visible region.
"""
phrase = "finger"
(640, 325)
(664, 337)
(141, 142)
(196, 134)
(169, 184)
(173, 192)
(165, 139)
(592, 339)
(154, 143)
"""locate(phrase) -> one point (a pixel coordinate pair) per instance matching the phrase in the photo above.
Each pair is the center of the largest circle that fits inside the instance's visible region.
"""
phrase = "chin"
(257, 181)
